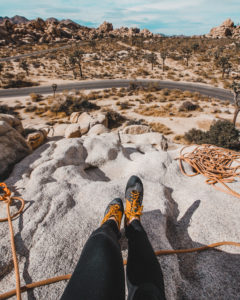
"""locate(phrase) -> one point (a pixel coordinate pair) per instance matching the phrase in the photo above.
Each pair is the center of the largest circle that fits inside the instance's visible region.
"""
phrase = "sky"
(170, 17)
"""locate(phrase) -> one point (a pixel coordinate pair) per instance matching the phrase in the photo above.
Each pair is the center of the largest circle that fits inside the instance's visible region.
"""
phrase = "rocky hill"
(15, 20)
(226, 29)
(19, 30)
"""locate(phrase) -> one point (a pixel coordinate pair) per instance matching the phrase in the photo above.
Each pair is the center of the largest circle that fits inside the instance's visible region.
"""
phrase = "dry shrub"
(149, 98)
(187, 94)
(188, 106)
(35, 97)
(114, 119)
(142, 72)
(165, 92)
(159, 127)
(70, 104)
(5, 109)
(30, 108)
(179, 139)
(124, 105)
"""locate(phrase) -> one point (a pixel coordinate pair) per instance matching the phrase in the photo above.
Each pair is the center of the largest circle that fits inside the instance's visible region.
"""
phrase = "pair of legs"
(99, 274)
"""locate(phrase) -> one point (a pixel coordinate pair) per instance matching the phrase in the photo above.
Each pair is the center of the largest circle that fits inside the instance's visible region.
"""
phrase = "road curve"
(219, 93)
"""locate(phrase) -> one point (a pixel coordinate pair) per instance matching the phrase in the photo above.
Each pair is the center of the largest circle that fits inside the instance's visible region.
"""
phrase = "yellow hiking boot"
(134, 198)
(114, 209)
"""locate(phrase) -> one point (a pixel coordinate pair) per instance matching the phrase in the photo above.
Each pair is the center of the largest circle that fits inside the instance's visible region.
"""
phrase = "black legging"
(99, 274)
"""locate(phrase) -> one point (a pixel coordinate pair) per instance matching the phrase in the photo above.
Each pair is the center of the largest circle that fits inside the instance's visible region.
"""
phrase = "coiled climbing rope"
(218, 165)
(8, 200)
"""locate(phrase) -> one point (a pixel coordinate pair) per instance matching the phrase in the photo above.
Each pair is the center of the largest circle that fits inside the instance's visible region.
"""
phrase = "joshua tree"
(24, 65)
(186, 52)
(236, 93)
(72, 63)
(218, 53)
(152, 58)
(93, 45)
(163, 56)
(195, 47)
(224, 64)
(65, 64)
(1, 69)
(78, 55)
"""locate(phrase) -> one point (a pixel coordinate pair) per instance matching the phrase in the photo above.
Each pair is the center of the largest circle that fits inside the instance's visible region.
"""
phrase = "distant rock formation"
(15, 20)
(19, 30)
(226, 29)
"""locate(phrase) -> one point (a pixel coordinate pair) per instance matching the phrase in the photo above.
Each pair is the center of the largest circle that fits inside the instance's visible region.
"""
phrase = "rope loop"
(215, 163)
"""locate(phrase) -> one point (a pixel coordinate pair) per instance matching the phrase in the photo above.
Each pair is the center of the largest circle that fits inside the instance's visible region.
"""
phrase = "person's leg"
(144, 273)
(99, 274)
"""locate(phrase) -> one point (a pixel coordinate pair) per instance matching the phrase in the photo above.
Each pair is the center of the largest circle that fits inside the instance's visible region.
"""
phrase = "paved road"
(117, 83)
(36, 53)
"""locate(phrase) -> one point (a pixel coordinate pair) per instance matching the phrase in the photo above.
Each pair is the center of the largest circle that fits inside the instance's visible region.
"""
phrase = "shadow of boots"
(211, 274)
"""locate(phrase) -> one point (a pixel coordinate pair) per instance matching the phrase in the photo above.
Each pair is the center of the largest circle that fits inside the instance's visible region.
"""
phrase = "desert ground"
(177, 59)
(170, 112)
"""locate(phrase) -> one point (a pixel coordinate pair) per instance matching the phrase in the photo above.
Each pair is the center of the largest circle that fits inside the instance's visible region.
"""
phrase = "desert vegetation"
(193, 59)
(171, 112)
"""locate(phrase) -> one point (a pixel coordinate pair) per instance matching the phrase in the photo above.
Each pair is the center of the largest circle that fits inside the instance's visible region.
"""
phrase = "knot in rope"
(6, 198)
(7, 193)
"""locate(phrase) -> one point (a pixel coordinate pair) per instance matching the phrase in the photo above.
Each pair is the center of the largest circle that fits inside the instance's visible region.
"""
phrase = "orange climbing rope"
(215, 163)
(8, 200)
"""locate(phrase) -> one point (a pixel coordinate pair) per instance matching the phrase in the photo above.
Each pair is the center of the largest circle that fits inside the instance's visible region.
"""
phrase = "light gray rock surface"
(12, 121)
(87, 120)
(145, 140)
(98, 129)
(13, 146)
(73, 131)
(136, 129)
(68, 183)
(59, 129)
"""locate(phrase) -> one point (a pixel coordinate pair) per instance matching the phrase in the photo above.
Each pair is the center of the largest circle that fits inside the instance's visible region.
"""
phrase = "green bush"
(221, 133)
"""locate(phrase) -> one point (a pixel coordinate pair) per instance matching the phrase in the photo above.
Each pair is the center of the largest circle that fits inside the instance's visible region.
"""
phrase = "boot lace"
(114, 211)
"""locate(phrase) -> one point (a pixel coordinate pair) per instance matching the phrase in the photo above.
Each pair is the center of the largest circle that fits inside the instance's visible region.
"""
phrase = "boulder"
(66, 198)
(59, 129)
(224, 30)
(228, 23)
(13, 122)
(100, 118)
(146, 33)
(154, 139)
(74, 117)
(133, 31)
(37, 24)
(37, 138)
(86, 120)
(105, 27)
(73, 131)
(136, 129)
(99, 152)
(98, 129)
(13, 147)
